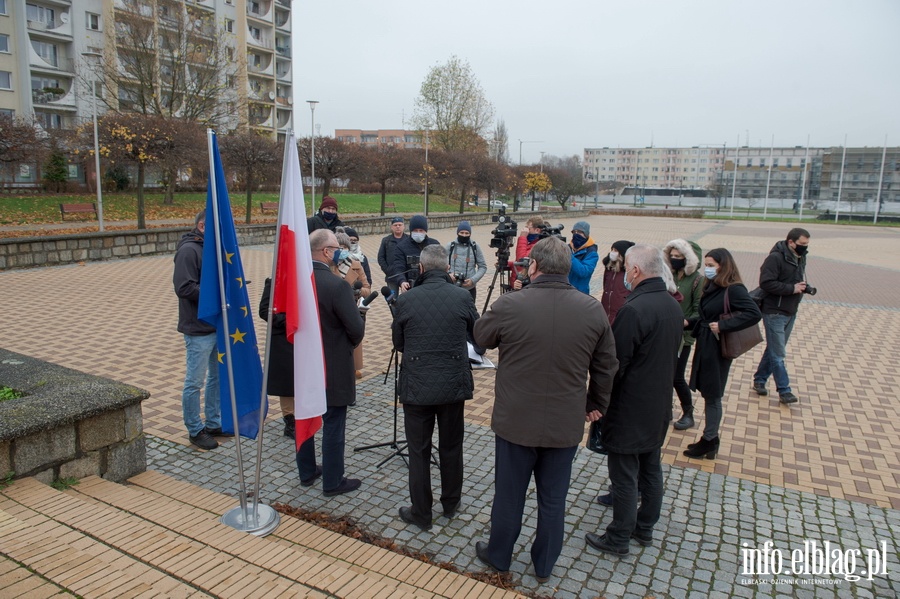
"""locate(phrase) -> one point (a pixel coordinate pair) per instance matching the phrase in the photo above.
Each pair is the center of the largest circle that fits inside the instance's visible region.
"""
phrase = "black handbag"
(758, 296)
(736, 343)
(595, 439)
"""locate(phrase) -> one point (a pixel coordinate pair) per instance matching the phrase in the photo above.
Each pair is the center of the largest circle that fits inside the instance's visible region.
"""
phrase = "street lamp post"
(97, 180)
(426, 171)
(312, 145)
(520, 164)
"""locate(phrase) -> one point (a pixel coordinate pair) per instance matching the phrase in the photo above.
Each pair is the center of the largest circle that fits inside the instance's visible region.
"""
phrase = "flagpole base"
(264, 524)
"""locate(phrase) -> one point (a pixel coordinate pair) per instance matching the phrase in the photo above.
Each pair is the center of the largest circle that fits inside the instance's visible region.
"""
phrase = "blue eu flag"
(240, 336)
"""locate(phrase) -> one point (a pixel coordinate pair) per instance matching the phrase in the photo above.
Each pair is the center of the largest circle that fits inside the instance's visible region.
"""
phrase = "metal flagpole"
(737, 150)
(224, 307)
(880, 181)
(837, 210)
(803, 181)
(769, 177)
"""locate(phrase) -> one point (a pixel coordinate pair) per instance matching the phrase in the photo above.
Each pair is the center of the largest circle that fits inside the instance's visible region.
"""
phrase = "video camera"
(412, 261)
(548, 231)
(503, 234)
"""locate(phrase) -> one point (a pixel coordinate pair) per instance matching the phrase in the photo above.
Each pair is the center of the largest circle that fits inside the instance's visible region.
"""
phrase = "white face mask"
(613, 256)
(418, 237)
(354, 247)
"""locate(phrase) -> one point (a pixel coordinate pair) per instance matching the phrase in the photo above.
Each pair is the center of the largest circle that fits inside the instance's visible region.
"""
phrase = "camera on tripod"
(505, 231)
(412, 261)
(548, 231)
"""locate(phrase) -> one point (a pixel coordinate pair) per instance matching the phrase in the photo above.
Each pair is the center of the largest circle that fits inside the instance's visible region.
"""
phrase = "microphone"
(371, 298)
(389, 296)
(357, 285)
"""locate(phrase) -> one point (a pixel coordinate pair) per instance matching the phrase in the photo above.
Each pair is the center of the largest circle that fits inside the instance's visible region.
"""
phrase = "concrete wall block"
(120, 251)
(45, 476)
(65, 256)
(60, 245)
(5, 458)
(3, 262)
(95, 254)
(39, 258)
(80, 254)
(142, 239)
(84, 243)
(45, 447)
(134, 422)
(101, 430)
(130, 239)
(88, 465)
(71, 244)
(126, 460)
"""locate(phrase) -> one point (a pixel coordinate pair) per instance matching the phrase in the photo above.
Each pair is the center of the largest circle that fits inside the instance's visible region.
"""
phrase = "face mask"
(801, 249)
(354, 247)
(418, 237)
(578, 240)
(613, 256)
(710, 272)
(678, 264)
(627, 282)
(337, 256)
(329, 216)
(532, 237)
(462, 240)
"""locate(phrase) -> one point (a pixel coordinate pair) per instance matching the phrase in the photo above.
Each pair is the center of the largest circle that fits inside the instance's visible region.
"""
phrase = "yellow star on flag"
(246, 311)
(220, 356)
(240, 281)
(228, 257)
(237, 336)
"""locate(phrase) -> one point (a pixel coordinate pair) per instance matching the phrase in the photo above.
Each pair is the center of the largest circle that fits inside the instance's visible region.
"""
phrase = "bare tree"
(388, 163)
(19, 142)
(187, 151)
(335, 159)
(170, 60)
(452, 104)
(499, 145)
(490, 175)
(566, 176)
(254, 156)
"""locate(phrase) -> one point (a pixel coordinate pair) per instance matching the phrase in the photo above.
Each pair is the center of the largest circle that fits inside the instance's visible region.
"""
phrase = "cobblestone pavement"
(821, 470)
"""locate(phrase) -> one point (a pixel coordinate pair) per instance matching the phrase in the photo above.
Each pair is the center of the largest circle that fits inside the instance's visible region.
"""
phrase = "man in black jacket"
(402, 274)
(342, 330)
(326, 217)
(648, 331)
(199, 341)
(783, 277)
(430, 326)
(388, 247)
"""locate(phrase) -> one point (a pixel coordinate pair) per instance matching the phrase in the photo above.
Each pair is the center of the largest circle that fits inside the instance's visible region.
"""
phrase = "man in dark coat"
(430, 327)
(403, 275)
(342, 330)
(387, 249)
(199, 341)
(783, 278)
(648, 331)
(326, 217)
(552, 338)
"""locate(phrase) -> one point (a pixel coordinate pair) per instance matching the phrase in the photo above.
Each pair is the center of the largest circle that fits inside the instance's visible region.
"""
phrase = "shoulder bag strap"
(727, 307)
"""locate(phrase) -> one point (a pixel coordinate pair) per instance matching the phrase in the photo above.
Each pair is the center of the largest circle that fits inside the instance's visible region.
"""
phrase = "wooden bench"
(389, 206)
(65, 209)
(268, 207)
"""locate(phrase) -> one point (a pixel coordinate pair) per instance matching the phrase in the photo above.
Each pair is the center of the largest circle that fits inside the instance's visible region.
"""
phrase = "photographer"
(404, 270)
(430, 326)
(530, 236)
(783, 278)
(584, 257)
(467, 264)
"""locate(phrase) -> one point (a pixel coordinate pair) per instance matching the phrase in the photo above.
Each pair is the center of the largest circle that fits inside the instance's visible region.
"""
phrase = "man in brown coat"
(552, 338)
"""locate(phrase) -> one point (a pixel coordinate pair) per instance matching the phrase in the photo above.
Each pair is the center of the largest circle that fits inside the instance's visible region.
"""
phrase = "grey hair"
(552, 256)
(319, 239)
(649, 258)
(434, 257)
(200, 218)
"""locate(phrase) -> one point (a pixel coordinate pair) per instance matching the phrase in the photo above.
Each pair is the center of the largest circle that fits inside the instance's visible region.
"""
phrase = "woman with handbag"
(725, 307)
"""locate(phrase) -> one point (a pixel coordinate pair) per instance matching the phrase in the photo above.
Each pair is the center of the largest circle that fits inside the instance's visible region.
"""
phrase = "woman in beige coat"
(352, 271)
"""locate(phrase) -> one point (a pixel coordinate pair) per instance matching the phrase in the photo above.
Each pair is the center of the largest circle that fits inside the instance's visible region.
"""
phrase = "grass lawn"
(43, 209)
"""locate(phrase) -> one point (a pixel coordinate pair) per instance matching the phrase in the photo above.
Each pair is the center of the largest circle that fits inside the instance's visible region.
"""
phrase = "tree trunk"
(326, 187)
(249, 193)
(141, 220)
(462, 200)
(383, 195)
(171, 176)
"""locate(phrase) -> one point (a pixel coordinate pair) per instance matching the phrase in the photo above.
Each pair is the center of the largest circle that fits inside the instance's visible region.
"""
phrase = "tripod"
(502, 272)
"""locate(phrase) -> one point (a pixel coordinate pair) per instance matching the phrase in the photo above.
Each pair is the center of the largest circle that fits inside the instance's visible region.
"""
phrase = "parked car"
(497, 204)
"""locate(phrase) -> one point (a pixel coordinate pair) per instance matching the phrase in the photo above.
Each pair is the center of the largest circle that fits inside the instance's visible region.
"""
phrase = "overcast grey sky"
(591, 73)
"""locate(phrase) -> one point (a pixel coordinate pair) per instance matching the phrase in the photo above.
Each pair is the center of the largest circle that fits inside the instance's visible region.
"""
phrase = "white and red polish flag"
(295, 295)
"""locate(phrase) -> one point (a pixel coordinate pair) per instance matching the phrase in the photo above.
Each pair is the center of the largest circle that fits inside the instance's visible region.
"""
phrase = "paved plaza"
(825, 469)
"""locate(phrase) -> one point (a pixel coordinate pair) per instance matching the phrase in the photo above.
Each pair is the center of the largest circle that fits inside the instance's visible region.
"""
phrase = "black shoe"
(760, 388)
(407, 516)
(481, 552)
(707, 448)
(605, 500)
(203, 440)
(600, 543)
(217, 432)
(451, 511)
(788, 398)
(686, 421)
(311, 481)
(541, 579)
(289, 426)
(643, 540)
(347, 485)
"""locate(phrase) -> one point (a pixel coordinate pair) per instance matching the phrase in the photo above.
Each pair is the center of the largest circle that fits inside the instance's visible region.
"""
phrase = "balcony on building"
(55, 97)
(259, 63)
(260, 116)
(283, 119)
(256, 38)
(283, 69)
(260, 10)
(283, 46)
(282, 19)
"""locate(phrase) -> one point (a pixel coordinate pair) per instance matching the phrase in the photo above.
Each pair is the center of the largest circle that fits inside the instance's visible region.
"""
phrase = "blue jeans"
(630, 476)
(333, 426)
(202, 363)
(778, 332)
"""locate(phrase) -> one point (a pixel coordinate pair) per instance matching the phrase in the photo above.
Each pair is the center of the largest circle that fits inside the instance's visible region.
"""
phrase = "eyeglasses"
(331, 247)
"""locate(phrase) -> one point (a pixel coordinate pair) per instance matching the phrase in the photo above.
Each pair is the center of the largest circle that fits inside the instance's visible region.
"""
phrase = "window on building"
(48, 120)
(39, 83)
(229, 25)
(3, 7)
(790, 162)
(255, 33)
(46, 51)
(4, 43)
(42, 14)
(92, 21)
(5, 80)
(8, 112)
